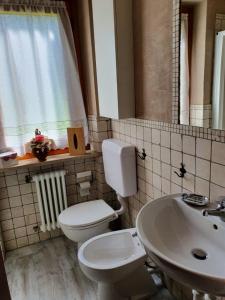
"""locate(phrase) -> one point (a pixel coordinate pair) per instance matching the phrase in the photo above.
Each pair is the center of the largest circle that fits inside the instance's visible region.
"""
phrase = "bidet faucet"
(219, 211)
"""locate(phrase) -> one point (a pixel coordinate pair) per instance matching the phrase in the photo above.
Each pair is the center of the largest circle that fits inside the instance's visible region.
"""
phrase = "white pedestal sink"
(187, 246)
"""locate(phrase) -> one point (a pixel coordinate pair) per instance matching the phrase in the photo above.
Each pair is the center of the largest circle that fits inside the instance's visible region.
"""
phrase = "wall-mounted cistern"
(219, 211)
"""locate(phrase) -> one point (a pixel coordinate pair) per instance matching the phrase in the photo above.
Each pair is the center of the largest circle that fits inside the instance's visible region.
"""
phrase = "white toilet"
(85, 220)
(115, 261)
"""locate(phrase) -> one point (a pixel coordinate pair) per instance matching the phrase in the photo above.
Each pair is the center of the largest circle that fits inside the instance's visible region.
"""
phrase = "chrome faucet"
(219, 211)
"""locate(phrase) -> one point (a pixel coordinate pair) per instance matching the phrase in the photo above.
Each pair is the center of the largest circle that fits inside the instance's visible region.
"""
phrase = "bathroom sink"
(187, 246)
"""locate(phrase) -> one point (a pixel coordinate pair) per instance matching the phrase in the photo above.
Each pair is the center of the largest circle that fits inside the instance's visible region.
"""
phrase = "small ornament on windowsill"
(39, 147)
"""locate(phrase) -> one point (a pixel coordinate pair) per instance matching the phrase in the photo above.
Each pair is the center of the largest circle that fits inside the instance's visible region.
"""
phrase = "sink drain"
(199, 254)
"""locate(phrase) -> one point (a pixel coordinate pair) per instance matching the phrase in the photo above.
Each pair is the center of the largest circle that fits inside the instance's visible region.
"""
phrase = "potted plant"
(39, 146)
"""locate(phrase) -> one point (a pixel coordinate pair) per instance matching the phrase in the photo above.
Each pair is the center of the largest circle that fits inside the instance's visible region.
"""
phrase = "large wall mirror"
(202, 63)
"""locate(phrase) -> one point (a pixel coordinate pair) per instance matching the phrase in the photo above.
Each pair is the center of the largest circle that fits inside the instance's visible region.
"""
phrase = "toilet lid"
(86, 213)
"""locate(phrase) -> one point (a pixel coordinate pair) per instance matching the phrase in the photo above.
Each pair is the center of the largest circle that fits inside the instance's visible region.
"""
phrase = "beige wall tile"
(9, 235)
(10, 245)
(22, 241)
(25, 188)
(31, 219)
(15, 201)
(27, 199)
(5, 214)
(13, 191)
(28, 209)
(11, 180)
(17, 211)
(20, 232)
(4, 203)
(6, 225)
(19, 222)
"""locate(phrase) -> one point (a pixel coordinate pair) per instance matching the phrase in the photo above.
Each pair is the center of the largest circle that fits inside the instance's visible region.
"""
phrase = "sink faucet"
(219, 211)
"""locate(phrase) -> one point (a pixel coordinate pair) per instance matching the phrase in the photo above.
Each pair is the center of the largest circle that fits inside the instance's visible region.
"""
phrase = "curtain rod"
(33, 3)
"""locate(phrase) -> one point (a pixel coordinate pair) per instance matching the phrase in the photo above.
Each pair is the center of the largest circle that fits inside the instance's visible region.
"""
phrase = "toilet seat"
(87, 214)
(112, 250)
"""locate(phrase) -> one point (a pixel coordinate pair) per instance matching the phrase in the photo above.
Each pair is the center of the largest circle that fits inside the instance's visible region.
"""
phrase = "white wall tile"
(203, 168)
(202, 187)
(176, 158)
(218, 152)
(216, 191)
(157, 181)
(218, 174)
(156, 151)
(166, 171)
(189, 182)
(147, 134)
(203, 148)
(165, 155)
(157, 167)
(189, 163)
(176, 142)
(166, 186)
(188, 145)
(165, 139)
(156, 136)
(140, 132)
(175, 188)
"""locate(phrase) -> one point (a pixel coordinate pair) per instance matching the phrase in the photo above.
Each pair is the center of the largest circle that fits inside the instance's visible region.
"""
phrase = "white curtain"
(218, 105)
(184, 72)
(40, 86)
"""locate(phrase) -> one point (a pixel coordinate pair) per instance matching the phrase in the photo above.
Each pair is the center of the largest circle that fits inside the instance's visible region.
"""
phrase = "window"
(39, 82)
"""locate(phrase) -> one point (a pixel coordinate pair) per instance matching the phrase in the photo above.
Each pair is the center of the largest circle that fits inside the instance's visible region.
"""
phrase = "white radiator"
(52, 199)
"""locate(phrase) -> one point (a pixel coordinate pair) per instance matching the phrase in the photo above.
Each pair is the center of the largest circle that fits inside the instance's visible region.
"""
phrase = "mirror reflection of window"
(218, 112)
(184, 72)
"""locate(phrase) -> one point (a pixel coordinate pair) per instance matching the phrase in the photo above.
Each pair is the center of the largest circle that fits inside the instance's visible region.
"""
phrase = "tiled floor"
(50, 271)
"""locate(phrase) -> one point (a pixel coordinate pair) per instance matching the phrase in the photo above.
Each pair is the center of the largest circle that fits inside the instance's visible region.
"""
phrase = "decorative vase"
(40, 153)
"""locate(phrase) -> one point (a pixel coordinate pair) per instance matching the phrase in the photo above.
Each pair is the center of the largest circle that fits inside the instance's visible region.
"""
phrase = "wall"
(153, 80)
(19, 211)
(166, 147)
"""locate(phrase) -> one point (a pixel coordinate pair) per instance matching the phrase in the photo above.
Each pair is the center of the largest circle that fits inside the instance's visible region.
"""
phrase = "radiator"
(52, 199)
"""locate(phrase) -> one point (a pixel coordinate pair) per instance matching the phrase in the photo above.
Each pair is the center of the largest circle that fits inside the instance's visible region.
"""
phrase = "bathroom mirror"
(202, 63)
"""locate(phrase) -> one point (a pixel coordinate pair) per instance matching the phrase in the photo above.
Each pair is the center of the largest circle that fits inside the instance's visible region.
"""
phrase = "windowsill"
(50, 160)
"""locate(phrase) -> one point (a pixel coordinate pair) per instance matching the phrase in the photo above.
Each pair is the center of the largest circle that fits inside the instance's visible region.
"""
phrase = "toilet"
(115, 261)
(85, 220)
